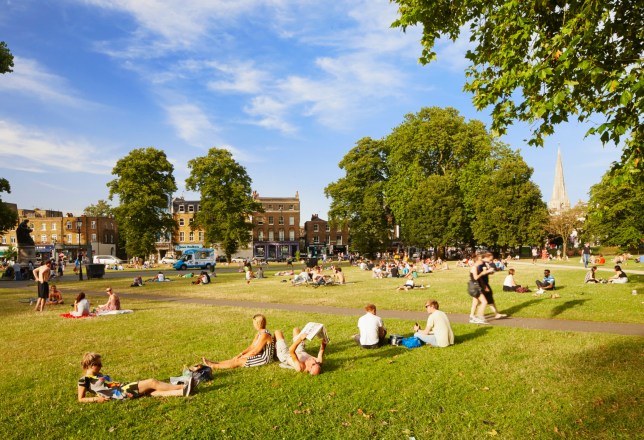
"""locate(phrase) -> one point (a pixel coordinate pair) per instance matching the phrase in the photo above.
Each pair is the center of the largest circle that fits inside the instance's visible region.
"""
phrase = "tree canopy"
(6, 58)
(615, 213)
(101, 209)
(226, 200)
(545, 61)
(8, 216)
(144, 186)
(358, 198)
(563, 223)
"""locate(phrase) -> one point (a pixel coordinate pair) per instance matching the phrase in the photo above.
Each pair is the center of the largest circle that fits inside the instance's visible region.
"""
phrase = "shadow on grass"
(609, 402)
(462, 338)
(565, 306)
(514, 309)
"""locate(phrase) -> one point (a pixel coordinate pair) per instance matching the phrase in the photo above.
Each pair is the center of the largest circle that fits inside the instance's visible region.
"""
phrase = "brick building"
(276, 231)
(320, 239)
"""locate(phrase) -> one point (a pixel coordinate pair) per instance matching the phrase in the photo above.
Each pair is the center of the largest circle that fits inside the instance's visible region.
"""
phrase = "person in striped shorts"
(258, 353)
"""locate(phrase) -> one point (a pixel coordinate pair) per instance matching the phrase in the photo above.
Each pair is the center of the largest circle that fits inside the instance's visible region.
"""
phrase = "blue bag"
(411, 342)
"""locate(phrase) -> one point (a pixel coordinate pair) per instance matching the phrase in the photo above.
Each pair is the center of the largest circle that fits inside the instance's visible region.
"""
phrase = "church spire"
(559, 200)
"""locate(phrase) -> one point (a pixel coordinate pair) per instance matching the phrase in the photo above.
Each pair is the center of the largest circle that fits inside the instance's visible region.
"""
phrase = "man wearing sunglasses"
(438, 332)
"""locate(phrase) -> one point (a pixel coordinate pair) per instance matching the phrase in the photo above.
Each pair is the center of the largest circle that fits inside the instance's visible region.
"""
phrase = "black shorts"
(43, 290)
(488, 295)
(132, 390)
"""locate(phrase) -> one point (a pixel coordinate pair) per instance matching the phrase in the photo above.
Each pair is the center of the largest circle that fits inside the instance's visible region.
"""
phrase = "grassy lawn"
(494, 383)
(579, 301)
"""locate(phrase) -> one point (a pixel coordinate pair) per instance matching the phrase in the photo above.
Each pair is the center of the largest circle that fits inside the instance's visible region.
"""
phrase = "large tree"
(8, 216)
(435, 159)
(508, 208)
(545, 61)
(6, 58)
(226, 200)
(358, 198)
(615, 213)
(101, 209)
(144, 187)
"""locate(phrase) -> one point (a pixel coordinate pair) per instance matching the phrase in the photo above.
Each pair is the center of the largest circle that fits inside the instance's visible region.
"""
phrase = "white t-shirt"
(438, 322)
(369, 325)
(509, 281)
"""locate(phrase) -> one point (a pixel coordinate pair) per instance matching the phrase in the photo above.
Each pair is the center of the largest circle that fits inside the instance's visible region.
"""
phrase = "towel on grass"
(114, 312)
(69, 315)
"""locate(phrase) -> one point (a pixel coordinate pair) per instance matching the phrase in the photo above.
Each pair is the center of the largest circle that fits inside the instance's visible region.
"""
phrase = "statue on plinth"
(23, 234)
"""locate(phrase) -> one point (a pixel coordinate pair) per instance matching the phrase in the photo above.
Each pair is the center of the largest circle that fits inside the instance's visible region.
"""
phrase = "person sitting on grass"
(409, 284)
(438, 332)
(81, 306)
(103, 388)
(548, 283)
(339, 276)
(510, 285)
(258, 353)
(138, 282)
(619, 277)
(188, 275)
(590, 276)
(372, 329)
(204, 278)
(55, 297)
(113, 302)
(295, 357)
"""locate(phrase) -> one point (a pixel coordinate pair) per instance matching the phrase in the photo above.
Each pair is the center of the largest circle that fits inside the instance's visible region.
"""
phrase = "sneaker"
(540, 292)
(188, 387)
(479, 321)
(473, 320)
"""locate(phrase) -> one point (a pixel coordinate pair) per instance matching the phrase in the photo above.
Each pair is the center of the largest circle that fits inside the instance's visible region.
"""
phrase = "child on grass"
(104, 388)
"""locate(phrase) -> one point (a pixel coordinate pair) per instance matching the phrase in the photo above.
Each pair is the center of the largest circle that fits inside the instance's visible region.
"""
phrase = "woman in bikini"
(258, 353)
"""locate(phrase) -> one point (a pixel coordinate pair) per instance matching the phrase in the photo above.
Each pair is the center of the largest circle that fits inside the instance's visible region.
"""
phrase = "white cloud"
(240, 77)
(39, 151)
(191, 124)
(30, 78)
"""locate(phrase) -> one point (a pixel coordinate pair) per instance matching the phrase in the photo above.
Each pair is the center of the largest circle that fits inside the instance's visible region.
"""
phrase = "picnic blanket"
(114, 312)
(69, 315)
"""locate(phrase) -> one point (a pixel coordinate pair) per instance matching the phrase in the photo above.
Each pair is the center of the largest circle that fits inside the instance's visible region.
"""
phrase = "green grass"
(494, 383)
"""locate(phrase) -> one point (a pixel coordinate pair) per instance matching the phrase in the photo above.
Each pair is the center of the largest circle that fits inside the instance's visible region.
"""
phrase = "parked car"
(106, 259)
(238, 260)
(168, 260)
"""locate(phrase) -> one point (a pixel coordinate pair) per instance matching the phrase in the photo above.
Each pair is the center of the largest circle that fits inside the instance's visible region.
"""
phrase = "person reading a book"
(258, 353)
(295, 357)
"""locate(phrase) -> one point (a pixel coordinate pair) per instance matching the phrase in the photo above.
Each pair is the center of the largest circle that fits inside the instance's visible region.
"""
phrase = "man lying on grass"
(104, 388)
(295, 357)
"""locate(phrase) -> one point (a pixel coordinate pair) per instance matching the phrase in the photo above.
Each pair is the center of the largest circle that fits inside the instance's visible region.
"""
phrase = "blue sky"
(287, 86)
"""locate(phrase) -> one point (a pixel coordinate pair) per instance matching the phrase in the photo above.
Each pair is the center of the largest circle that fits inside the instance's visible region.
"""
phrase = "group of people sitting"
(618, 278)
(317, 277)
(81, 306)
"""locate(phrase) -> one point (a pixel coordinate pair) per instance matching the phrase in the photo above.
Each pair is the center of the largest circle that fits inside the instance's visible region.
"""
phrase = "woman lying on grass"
(105, 389)
(258, 353)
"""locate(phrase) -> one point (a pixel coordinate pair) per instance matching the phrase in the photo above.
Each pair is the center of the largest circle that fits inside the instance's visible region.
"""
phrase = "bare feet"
(207, 362)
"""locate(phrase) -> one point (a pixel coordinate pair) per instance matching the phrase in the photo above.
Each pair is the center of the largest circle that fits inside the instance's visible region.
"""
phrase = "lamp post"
(80, 255)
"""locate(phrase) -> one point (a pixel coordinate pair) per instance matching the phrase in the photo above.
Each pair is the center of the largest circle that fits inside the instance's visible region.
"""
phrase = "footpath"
(617, 328)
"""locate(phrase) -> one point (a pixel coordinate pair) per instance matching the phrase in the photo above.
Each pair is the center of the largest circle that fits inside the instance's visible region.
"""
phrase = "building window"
(79, 225)
(93, 237)
(191, 221)
(68, 224)
(260, 220)
(281, 220)
(291, 207)
(328, 239)
(291, 220)
(291, 235)
(191, 208)
(13, 240)
(182, 236)
(181, 208)
(4, 240)
(69, 238)
(315, 228)
(53, 226)
(270, 219)
(328, 228)
(280, 207)
(43, 238)
(111, 238)
(54, 237)
(316, 239)
(271, 236)
(270, 207)
(260, 236)
(281, 235)
(43, 226)
(201, 236)
(191, 236)
(182, 222)
(338, 240)
(93, 224)
(198, 208)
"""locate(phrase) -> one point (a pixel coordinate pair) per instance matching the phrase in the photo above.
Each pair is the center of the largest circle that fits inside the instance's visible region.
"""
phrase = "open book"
(313, 329)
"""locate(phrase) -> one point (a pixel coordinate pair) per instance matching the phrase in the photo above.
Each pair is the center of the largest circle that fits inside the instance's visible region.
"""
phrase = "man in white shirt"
(438, 332)
(372, 329)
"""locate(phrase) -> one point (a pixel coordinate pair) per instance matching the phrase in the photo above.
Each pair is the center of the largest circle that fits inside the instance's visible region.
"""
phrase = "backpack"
(200, 373)
(411, 342)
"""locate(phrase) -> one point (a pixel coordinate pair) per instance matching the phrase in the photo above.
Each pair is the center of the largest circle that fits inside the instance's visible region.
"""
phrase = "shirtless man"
(42, 275)
(295, 357)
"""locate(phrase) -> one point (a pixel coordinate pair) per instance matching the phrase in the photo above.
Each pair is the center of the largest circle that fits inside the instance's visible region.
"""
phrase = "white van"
(203, 258)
